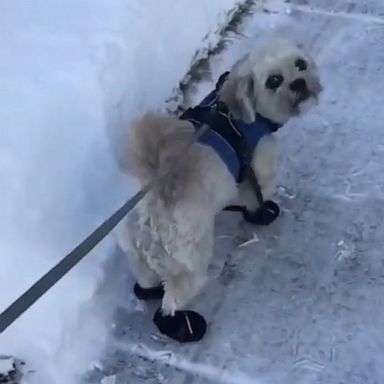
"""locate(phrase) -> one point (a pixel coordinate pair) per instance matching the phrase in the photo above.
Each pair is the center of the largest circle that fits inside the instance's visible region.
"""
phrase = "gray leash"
(34, 293)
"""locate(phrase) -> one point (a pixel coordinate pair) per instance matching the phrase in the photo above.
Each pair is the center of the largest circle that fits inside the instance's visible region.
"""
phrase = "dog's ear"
(238, 93)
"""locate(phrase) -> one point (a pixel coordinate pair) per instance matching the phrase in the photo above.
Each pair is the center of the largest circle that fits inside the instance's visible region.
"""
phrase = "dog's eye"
(274, 81)
(301, 64)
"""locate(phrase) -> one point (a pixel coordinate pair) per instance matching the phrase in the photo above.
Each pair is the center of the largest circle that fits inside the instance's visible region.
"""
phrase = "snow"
(109, 380)
(72, 73)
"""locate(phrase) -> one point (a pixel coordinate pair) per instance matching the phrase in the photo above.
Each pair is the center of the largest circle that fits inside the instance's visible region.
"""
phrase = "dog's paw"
(155, 293)
(184, 326)
(264, 215)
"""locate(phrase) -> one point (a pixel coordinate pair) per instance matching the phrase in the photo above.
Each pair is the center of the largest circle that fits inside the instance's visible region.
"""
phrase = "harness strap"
(251, 176)
(218, 117)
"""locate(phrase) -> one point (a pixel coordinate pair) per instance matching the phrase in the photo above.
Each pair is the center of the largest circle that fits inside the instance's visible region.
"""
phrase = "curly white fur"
(169, 238)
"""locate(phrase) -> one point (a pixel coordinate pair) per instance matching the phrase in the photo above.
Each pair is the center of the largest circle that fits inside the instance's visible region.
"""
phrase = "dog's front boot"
(264, 215)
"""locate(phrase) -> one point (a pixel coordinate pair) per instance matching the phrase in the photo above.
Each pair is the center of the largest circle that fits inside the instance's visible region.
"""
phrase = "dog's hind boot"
(155, 293)
(263, 215)
(184, 327)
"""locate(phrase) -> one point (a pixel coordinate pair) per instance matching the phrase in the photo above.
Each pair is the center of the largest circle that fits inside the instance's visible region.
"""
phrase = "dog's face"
(275, 81)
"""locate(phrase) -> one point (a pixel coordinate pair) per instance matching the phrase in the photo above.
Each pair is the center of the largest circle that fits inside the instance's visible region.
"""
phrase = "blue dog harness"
(233, 140)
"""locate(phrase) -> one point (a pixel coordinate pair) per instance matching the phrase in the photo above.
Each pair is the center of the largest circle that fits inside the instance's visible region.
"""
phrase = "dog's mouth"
(308, 95)
(302, 98)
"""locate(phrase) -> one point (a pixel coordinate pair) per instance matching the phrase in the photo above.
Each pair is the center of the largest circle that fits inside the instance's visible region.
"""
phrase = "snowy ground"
(303, 304)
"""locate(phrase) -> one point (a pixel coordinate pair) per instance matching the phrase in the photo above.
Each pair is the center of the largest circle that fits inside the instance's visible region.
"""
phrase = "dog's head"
(275, 81)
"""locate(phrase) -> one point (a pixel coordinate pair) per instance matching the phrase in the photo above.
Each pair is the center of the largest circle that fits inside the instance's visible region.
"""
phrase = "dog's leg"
(171, 319)
(148, 286)
(264, 164)
(182, 286)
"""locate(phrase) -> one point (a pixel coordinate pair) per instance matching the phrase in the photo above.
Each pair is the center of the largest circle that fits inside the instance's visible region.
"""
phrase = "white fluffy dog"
(169, 237)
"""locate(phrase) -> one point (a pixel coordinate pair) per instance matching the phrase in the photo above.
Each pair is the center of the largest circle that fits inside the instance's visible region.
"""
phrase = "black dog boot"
(184, 327)
(263, 215)
(155, 293)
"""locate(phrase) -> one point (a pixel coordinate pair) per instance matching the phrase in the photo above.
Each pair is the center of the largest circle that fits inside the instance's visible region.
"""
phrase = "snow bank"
(70, 73)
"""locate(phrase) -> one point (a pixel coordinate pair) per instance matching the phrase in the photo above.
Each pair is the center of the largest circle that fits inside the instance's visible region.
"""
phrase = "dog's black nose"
(299, 85)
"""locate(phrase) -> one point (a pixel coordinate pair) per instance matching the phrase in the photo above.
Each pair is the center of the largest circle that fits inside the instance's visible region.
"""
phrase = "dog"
(169, 237)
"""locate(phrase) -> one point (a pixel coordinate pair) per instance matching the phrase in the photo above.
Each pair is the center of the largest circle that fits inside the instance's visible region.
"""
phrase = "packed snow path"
(303, 303)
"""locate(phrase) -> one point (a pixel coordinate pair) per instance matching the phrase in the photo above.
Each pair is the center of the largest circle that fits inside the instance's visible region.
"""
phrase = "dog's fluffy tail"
(154, 143)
